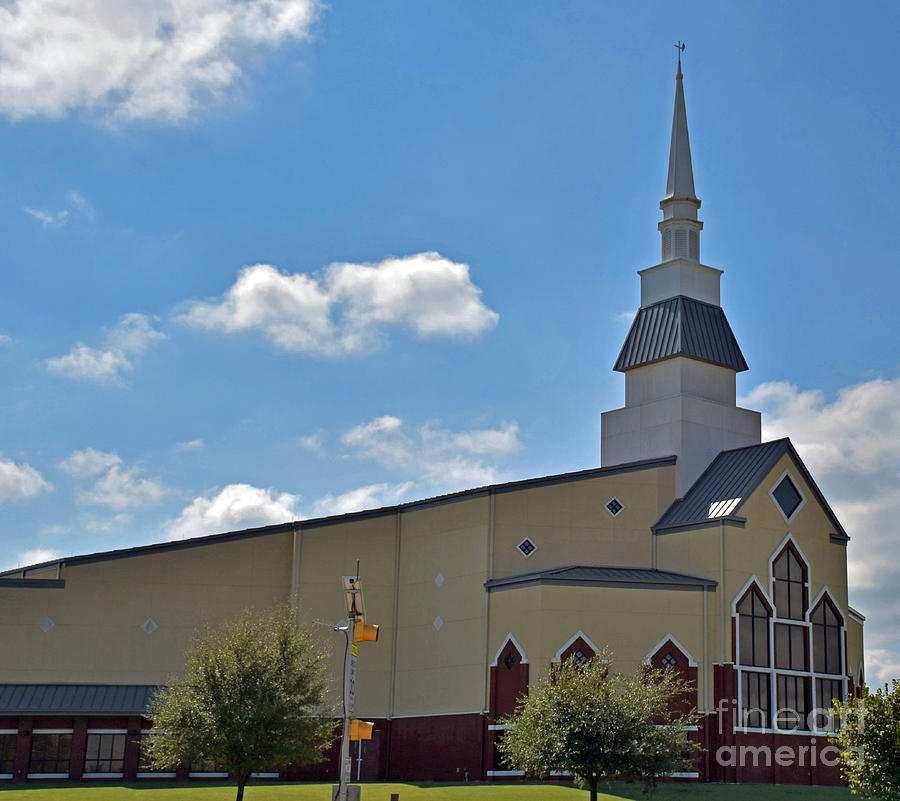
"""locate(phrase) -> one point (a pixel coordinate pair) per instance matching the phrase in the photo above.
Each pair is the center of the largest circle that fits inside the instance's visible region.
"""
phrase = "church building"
(693, 546)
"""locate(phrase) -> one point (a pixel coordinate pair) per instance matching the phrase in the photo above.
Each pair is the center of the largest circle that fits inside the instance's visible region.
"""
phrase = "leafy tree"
(250, 699)
(593, 723)
(869, 742)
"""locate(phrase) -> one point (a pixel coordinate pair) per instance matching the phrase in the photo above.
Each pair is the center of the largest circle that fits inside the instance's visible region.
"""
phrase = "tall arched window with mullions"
(753, 651)
(827, 626)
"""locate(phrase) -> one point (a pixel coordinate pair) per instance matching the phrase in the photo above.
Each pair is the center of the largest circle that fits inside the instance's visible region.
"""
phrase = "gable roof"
(722, 489)
(680, 326)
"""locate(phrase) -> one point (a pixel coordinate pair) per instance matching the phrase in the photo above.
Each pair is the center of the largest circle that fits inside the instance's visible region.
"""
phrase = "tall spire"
(681, 174)
(680, 227)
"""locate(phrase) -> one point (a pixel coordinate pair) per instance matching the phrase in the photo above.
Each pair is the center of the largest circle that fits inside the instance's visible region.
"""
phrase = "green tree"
(869, 742)
(250, 699)
(591, 722)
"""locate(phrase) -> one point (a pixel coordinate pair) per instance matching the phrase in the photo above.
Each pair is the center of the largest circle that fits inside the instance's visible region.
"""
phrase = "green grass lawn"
(168, 791)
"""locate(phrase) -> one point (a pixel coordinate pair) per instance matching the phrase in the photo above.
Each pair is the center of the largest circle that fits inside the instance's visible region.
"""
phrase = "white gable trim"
(825, 591)
(558, 656)
(510, 638)
(678, 645)
(771, 563)
(740, 594)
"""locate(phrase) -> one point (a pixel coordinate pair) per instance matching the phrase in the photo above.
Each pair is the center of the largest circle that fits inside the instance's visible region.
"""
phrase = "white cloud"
(851, 445)
(127, 60)
(346, 310)
(5, 339)
(236, 506)
(369, 497)
(315, 443)
(76, 204)
(88, 462)
(35, 556)
(104, 525)
(190, 445)
(445, 459)
(123, 488)
(49, 219)
(116, 486)
(18, 482)
(129, 339)
(881, 667)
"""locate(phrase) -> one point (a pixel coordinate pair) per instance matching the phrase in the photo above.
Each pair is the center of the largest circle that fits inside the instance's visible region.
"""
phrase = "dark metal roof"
(75, 699)
(602, 576)
(33, 583)
(729, 480)
(384, 511)
(680, 326)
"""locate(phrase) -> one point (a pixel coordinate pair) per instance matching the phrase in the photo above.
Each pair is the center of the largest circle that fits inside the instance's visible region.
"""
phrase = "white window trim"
(9, 731)
(47, 776)
(510, 638)
(557, 657)
(506, 773)
(501, 726)
(152, 774)
(787, 472)
(532, 552)
(771, 565)
(6, 775)
(266, 774)
(116, 775)
(670, 638)
(107, 731)
(52, 731)
(208, 774)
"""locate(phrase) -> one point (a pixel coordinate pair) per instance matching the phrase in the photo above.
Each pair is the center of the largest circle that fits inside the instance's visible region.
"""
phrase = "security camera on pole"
(356, 630)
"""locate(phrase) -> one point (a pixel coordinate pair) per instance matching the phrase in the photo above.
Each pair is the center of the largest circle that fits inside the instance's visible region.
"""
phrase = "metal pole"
(344, 764)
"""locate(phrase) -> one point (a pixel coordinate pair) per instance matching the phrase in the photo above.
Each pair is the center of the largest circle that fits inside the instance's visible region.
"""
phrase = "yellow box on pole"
(365, 632)
(361, 730)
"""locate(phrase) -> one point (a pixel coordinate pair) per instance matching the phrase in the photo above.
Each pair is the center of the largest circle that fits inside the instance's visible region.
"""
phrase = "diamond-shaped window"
(509, 660)
(669, 661)
(438, 622)
(787, 496)
(614, 506)
(149, 626)
(526, 547)
(46, 624)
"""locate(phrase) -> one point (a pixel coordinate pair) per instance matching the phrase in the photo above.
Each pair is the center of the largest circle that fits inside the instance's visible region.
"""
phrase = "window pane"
(796, 601)
(782, 646)
(787, 496)
(761, 642)
(832, 650)
(755, 699)
(781, 598)
(780, 568)
(50, 753)
(7, 752)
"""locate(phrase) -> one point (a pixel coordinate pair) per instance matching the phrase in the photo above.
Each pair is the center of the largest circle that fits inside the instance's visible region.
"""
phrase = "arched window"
(789, 574)
(826, 638)
(753, 646)
(753, 630)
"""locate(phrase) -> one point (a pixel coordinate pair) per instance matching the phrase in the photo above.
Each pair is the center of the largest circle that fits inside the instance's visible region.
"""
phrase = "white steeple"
(680, 228)
(680, 357)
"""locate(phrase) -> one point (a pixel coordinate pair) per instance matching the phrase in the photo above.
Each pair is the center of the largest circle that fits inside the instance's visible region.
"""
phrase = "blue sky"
(294, 259)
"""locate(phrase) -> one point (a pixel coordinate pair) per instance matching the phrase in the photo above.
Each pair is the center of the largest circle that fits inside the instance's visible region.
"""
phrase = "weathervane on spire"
(679, 46)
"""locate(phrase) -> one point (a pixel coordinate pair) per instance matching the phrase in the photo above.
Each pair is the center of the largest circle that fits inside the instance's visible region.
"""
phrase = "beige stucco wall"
(570, 525)
(97, 636)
